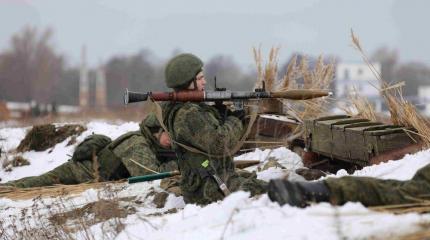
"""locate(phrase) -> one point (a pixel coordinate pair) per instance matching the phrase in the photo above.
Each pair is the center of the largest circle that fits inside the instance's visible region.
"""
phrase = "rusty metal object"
(277, 127)
(309, 158)
(270, 131)
(396, 154)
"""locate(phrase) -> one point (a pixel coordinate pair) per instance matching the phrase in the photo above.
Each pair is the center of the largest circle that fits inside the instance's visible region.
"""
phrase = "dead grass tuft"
(270, 73)
(290, 73)
(16, 161)
(360, 107)
(42, 137)
(302, 76)
(298, 76)
(63, 219)
(401, 111)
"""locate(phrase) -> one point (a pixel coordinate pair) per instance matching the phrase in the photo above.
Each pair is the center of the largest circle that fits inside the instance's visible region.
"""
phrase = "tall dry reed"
(401, 111)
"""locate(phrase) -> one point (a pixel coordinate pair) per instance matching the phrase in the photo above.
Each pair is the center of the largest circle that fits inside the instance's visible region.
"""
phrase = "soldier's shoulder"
(188, 108)
(150, 121)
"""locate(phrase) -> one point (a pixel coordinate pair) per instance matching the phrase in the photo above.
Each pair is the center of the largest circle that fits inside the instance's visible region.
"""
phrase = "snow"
(400, 170)
(236, 217)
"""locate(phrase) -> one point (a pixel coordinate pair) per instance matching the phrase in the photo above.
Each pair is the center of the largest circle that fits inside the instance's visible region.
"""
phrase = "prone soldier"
(366, 190)
(131, 154)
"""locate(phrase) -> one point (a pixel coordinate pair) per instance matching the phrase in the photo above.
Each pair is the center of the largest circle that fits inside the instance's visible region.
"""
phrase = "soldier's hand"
(239, 114)
(164, 140)
(222, 109)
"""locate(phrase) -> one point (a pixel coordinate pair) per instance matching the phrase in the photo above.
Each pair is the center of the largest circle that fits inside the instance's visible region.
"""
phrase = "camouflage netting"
(42, 137)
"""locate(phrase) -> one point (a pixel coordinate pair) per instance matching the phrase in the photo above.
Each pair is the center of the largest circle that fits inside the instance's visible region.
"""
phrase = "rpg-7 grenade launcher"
(220, 95)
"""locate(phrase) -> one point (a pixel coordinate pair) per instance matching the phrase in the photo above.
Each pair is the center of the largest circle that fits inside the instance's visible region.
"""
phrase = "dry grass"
(63, 219)
(298, 76)
(420, 206)
(270, 72)
(360, 107)
(423, 233)
(301, 76)
(15, 161)
(402, 112)
(50, 191)
(290, 73)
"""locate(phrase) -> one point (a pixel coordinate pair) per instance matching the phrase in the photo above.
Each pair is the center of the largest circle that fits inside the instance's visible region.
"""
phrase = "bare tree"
(30, 69)
(136, 72)
(388, 59)
(414, 75)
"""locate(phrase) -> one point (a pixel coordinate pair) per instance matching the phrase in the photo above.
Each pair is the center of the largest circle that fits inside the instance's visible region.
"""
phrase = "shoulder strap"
(167, 117)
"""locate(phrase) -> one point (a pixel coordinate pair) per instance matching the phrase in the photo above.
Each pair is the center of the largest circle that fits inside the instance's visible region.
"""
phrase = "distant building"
(424, 99)
(100, 88)
(21, 110)
(358, 78)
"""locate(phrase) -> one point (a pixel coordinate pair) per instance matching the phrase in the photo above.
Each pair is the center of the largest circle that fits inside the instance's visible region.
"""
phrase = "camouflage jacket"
(208, 138)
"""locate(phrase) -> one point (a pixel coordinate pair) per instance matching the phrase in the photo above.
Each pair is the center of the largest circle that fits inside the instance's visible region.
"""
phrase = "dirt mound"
(42, 137)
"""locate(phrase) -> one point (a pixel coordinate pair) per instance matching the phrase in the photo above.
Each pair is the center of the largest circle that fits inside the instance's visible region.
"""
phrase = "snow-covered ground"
(236, 217)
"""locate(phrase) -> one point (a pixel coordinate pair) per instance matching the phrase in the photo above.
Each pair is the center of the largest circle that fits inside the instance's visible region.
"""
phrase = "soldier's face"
(200, 82)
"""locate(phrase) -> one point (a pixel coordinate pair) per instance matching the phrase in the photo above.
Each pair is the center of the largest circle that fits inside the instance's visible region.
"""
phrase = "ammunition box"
(353, 140)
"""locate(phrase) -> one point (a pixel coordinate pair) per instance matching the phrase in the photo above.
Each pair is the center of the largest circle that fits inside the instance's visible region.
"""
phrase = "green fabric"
(71, 172)
(200, 126)
(91, 144)
(138, 148)
(181, 70)
(374, 192)
(151, 122)
(114, 161)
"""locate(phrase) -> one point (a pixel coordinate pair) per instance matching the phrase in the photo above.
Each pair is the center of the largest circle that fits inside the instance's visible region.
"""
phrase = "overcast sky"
(229, 27)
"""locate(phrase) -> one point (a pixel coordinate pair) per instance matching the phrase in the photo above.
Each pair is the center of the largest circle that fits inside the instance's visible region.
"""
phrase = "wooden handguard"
(183, 96)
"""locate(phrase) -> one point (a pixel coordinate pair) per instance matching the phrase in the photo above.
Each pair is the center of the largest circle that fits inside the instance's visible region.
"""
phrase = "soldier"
(203, 137)
(131, 154)
(368, 191)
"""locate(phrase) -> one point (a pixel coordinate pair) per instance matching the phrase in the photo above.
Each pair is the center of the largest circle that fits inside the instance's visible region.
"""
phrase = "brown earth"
(42, 137)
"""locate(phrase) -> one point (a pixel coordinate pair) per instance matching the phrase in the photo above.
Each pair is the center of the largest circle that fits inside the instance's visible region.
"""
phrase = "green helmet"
(181, 70)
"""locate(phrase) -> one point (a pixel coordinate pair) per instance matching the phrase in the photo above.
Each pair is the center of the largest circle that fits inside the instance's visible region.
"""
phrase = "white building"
(424, 98)
(351, 77)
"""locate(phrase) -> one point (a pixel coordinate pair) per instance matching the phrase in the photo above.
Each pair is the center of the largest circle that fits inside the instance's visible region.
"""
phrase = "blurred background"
(66, 60)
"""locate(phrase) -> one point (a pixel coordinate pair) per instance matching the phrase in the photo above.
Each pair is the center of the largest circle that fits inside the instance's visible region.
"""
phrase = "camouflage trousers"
(374, 192)
(209, 191)
(125, 160)
(70, 172)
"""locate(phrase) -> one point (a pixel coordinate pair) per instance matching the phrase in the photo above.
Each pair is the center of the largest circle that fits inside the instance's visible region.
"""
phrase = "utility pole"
(100, 88)
(83, 81)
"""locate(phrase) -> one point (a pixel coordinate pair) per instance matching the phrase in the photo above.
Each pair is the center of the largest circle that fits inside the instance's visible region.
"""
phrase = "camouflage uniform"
(114, 160)
(373, 192)
(201, 127)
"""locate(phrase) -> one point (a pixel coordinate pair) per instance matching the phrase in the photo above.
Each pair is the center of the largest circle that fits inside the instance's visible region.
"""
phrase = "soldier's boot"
(297, 194)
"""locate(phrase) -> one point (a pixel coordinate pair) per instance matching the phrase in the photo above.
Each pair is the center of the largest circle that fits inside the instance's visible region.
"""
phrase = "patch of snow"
(402, 169)
(236, 217)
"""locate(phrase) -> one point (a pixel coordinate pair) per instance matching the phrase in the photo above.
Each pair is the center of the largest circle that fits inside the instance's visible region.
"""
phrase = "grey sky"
(229, 27)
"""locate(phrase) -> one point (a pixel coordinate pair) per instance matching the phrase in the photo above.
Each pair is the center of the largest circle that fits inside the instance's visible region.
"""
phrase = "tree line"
(31, 69)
